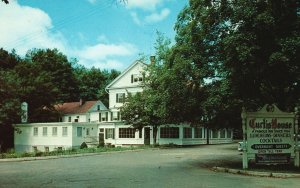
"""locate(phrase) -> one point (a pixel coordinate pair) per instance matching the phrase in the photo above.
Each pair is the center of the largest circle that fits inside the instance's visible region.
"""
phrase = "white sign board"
(269, 136)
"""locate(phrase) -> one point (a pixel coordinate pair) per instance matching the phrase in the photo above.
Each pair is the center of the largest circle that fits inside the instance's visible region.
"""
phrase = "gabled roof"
(124, 72)
(75, 107)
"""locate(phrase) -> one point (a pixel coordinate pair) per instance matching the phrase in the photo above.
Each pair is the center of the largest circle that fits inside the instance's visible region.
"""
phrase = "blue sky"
(99, 33)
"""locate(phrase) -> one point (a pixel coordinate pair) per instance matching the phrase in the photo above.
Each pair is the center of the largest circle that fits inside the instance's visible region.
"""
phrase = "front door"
(101, 139)
(147, 135)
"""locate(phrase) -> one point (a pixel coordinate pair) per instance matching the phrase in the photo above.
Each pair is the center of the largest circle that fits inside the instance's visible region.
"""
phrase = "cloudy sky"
(99, 33)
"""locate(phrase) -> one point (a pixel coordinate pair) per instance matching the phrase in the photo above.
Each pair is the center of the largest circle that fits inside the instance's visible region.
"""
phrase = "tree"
(47, 78)
(243, 53)
(142, 109)
(59, 69)
(262, 53)
(167, 97)
(5, 1)
(92, 82)
(10, 105)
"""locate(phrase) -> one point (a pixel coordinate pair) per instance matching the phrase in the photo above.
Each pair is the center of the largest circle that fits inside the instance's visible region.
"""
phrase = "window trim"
(109, 133)
(187, 132)
(77, 132)
(120, 97)
(126, 133)
(198, 134)
(54, 128)
(223, 131)
(64, 131)
(35, 131)
(169, 132)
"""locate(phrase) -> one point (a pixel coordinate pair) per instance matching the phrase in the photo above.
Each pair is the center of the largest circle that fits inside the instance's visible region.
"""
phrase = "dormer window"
(137, 78)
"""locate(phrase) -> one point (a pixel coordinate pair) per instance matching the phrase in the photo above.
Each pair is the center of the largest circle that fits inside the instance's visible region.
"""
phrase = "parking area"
(173, 167)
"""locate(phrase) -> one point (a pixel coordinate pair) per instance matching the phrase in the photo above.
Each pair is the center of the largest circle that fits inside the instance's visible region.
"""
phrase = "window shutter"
(132, 78)
(111, 116)
(106, 134)
(113, 133)
(123, 97)
(100, 119)
(117, 98)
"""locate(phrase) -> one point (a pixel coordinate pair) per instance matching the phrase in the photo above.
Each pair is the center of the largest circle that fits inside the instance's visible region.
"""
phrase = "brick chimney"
(152, 59)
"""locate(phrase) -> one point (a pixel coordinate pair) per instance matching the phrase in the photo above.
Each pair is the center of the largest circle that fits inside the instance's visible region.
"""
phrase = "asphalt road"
(177, 167)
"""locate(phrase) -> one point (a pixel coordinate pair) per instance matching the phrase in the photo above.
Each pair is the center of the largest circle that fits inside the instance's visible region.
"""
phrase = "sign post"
(296, 160)
(270, 136)
(24, 109)
(245, 156)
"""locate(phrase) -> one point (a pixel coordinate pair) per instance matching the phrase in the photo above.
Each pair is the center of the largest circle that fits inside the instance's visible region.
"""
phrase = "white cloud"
(152, 18)
(105, 55)
(102, 38)
(24, 28)
(135, 18)
(105, 64)
(144, 4)
(102, 51)
(156, 17)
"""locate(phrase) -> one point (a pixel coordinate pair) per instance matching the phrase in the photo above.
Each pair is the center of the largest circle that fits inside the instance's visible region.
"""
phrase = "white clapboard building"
(93, 123)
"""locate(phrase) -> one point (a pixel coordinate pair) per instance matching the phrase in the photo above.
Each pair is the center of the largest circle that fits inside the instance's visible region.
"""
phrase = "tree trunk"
(207, 135)
(154, 135)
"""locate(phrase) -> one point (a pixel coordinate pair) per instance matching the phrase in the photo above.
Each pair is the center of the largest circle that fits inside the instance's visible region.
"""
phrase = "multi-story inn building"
(92, 122)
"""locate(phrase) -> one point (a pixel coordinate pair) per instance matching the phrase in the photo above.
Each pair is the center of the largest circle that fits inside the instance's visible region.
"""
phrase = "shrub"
(26, 154)
(38, 154)
(83, 145)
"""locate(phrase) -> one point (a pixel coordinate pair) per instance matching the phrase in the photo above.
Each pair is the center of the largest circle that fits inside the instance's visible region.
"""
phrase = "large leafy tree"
(167, 97)
(262, 52)
(9, 93)
(243, 53)
(92, 82)
(148, 108)
(47, 78)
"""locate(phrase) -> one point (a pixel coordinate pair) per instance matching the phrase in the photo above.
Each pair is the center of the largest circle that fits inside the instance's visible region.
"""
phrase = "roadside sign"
(269, 135)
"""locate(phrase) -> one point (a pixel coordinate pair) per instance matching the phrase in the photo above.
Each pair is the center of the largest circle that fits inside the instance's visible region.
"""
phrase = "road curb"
(256, 173)
(64, 156)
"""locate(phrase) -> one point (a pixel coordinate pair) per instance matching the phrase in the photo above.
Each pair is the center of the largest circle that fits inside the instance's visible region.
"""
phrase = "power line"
(98, 8)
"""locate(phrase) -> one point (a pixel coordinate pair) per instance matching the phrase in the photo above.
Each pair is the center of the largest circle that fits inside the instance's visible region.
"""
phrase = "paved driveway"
(178, 167)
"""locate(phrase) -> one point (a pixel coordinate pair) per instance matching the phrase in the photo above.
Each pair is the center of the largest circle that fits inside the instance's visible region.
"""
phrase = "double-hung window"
(54, 131)
(79, 131)
(65, 131)
(109, 133)
(45, 131)
(35, 131)
(120, 97)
